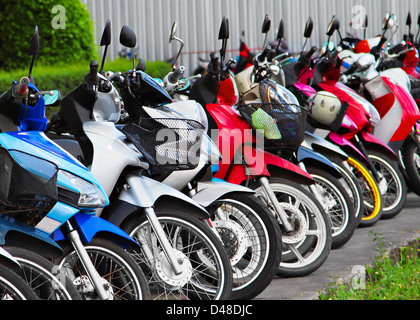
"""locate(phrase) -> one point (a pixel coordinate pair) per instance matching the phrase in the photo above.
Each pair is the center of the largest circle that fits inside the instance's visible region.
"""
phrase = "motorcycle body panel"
(210, 191)
(146, 192)
(398, 115)
(13, 232)
(237, 143)
(89, 226)
(306, 155)
(322, 145)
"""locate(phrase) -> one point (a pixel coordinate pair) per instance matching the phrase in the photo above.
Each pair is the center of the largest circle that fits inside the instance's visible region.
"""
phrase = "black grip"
(174, 76)
(214, 62)
(310, 53)
(93, 73)
(263, 55)
(397, 48)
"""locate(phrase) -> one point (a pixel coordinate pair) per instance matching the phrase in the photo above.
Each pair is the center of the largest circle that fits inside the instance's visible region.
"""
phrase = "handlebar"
(21, 89)
(214, 63)
(175, 75)
(93, 73)
(264, 55)
(397, 48)
(310, 53)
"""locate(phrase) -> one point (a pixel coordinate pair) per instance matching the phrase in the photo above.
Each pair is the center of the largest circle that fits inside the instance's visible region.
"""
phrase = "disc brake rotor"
(233, 238)
(165, 273)
(298, 221)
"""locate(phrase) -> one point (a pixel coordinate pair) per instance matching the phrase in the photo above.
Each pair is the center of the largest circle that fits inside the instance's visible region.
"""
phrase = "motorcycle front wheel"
(308, 245)
(372, 198)
(252, 239)
(13, 287)
(411, 160)
(44, 277)
(121, 277)
(338, 205)
(206, 273)
(395, 193)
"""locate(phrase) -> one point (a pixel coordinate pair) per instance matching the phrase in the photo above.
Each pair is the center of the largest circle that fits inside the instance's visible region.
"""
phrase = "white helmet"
(326, 109)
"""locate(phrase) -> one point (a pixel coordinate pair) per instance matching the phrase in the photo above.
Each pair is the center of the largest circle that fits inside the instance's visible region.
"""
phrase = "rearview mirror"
(266, 24)
(308, 31)
(173, 29)
(128, 37)
(280, 32)
(34, 47)
(33, 51)
(308, 28)
(224, 29)
(389, 21)
(172, 37)
(224, 35)
(333, 26)
(106, 34)
(265, 28)
(105, 41)
(53, 99)
(408, 21)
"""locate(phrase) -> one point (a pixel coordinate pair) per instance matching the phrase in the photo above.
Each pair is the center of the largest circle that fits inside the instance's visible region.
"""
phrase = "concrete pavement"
(359, 251)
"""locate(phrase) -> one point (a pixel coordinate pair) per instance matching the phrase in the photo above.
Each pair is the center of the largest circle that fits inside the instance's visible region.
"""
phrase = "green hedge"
(64, 36)
(66, 77)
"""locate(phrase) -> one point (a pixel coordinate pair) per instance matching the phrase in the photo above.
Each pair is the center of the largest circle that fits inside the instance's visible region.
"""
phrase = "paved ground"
(359, 251)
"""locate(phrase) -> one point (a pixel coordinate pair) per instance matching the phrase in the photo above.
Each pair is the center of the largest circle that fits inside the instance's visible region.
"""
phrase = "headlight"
(375, 117)
(90, 195)
(209, 147)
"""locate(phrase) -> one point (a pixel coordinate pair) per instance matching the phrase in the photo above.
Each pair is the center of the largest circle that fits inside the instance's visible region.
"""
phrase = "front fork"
(91, 271)
(160, 234)
(381, 182)
(284, 218)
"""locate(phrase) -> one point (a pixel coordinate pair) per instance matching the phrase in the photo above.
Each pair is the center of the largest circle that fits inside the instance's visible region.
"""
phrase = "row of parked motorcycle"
(208, 186)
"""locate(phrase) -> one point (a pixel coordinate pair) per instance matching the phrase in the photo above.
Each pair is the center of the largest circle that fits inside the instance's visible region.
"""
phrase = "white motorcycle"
(180, 255)
(250, 235)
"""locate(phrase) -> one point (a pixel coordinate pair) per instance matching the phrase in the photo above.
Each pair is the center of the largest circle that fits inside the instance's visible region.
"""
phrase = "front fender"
(145, 192)
(347, 146)
(323, 146)
(375, 143)
(16, 233)
(210, 191)
(308, 156)
(263, 163)
(90, 226)
(8, 260)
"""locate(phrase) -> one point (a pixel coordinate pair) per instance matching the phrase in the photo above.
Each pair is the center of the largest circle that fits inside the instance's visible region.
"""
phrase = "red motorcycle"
(382, 159)
(305, 226)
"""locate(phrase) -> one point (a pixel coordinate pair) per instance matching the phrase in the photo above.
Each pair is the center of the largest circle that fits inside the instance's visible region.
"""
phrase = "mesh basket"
(167, 144)
(28, 186)
(283, 125)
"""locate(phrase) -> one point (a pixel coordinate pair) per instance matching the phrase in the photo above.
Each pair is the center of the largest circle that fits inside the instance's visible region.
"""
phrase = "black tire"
(314, 247)
(44, 277)
(115, 265)
(396, 191)
(338, 205)
(206, 282)
(411, 160)
(13, 287)
(352, 186)
(372, 198)
(252, 239)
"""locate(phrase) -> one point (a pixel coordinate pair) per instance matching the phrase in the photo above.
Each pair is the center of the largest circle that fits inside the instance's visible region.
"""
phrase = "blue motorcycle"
(96, 257)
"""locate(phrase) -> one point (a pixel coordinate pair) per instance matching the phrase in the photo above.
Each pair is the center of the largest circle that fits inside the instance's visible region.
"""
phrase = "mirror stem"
(304, 44)
(101, 71)
(134, 61)
(31, 67)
